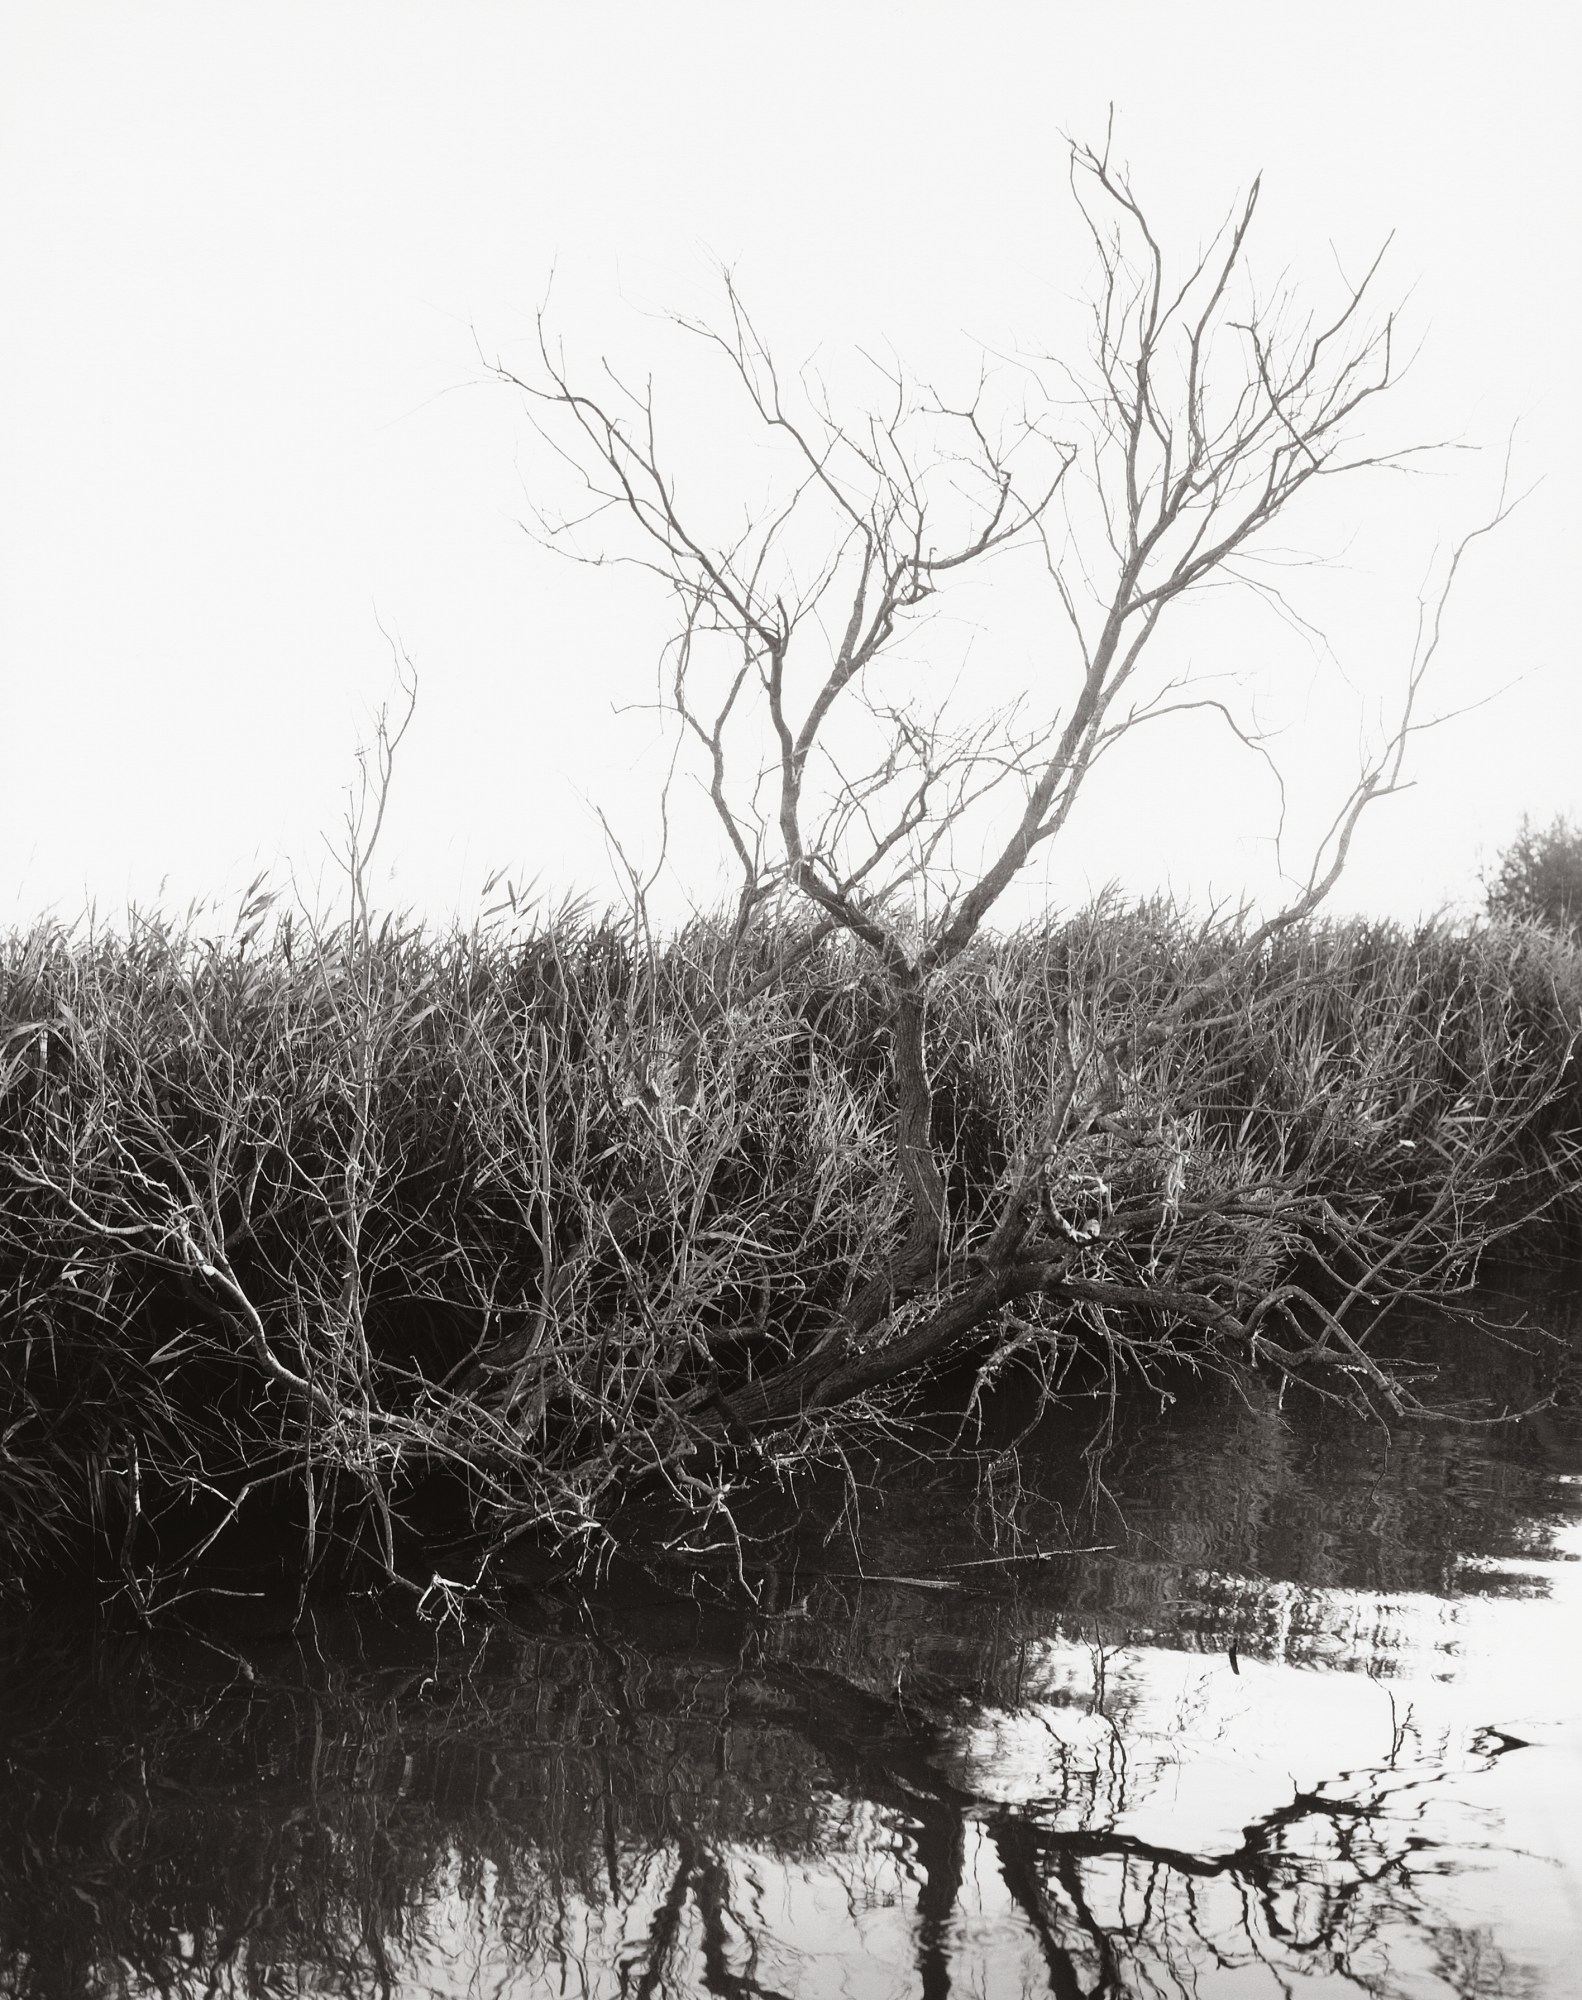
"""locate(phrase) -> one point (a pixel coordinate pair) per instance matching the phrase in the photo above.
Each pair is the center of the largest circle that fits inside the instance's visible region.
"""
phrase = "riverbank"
(336, 1251)
(1277, 1691)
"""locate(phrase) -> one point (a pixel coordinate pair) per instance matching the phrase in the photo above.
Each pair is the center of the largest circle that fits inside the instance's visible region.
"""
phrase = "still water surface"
(1309, 1722)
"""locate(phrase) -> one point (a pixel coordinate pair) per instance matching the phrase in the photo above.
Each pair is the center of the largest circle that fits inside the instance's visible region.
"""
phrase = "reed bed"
(324, 1249)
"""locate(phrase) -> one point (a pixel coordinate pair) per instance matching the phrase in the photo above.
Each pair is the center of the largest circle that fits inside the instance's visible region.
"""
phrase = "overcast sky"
(253, 258)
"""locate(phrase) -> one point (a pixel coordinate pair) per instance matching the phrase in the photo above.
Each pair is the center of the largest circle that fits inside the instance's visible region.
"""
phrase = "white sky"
(244, 424)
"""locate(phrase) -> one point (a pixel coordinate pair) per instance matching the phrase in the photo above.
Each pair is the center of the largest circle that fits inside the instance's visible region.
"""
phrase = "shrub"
(1539, 878)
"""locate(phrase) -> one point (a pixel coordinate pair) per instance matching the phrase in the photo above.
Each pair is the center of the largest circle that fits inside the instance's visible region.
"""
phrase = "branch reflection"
(538, 1810)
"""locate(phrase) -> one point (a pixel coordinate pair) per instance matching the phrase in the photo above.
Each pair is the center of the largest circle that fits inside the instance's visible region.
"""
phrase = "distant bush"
(1539, 878)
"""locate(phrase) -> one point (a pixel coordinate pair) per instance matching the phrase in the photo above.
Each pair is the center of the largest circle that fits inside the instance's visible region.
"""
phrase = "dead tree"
(1201, 414)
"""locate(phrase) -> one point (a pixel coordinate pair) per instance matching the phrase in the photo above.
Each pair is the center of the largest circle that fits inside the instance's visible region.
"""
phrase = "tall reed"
(321, 1247)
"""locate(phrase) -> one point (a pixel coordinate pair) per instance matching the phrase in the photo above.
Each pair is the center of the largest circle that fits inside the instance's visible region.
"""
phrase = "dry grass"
(352, 1247)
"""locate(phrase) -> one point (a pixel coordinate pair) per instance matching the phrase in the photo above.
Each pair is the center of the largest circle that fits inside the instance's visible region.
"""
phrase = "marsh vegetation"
(380, 1251)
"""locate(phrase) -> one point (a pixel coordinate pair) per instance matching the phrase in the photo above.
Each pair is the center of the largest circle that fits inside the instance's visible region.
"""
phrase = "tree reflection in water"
(1215, 1760)
(535, 1811)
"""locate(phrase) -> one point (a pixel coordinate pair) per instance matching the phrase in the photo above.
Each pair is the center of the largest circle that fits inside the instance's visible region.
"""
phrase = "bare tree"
(1202, 412)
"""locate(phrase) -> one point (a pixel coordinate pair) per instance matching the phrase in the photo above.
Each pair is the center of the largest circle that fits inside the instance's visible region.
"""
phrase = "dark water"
(1309, 1724)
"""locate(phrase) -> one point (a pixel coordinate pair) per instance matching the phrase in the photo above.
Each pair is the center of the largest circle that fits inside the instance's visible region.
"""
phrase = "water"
(1309, 1723)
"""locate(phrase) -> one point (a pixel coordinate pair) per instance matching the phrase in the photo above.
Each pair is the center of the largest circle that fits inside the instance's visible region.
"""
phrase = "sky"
(257, 261)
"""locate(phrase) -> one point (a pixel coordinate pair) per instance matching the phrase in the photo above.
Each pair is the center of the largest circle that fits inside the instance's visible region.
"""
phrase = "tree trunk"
(917, 1259)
